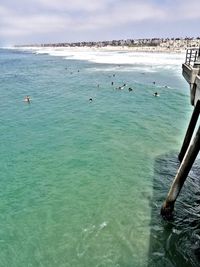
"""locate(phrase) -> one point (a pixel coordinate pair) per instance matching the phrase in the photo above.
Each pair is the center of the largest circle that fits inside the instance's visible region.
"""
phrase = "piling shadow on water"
(175, 243)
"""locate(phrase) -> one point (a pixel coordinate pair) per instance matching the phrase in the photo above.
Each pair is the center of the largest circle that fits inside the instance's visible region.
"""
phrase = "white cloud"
(187, 9)
(3, 12)
(177, 10)
(120, 15)
(75, 5)
(29, 25)
(50, 22)
(52, 17)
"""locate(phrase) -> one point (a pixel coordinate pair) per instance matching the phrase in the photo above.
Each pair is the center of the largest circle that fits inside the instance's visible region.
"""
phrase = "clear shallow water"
(82, 182)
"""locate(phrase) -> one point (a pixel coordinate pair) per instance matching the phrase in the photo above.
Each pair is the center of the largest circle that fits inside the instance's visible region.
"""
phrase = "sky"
(53, 21)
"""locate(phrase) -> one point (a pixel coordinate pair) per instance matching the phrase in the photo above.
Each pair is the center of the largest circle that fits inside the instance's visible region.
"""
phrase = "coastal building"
(159, 44)
(191, 146)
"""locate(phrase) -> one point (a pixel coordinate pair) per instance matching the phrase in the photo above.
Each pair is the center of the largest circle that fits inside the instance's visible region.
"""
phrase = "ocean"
(85, 166)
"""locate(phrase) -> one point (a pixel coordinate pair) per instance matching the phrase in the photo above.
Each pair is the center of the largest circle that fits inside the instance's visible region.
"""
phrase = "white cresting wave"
(122, 57)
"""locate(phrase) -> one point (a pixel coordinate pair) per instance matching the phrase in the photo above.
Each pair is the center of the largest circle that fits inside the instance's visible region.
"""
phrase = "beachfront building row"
(163, 43)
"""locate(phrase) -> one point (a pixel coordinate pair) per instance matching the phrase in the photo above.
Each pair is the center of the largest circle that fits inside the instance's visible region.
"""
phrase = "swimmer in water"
(27, 99)
(130, 89)
(156, 94)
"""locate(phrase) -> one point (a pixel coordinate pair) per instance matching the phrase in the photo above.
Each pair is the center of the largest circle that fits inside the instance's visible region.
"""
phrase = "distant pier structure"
(191, 144)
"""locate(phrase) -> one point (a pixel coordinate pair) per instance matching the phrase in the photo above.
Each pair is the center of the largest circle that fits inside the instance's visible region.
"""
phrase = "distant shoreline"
(150, 49)
(142, 49)
(158, 45)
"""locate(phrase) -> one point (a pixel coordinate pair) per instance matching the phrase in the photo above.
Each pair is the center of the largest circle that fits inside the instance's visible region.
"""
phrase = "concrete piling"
(184, 169)
(190, 130)
(189, 149)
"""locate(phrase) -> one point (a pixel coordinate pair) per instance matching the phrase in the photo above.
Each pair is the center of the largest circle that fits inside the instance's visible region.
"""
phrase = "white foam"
(152, 61)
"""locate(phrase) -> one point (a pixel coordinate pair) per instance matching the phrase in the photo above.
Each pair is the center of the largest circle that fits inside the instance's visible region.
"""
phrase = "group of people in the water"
(123, 86)
(130, 89)
(28, 99)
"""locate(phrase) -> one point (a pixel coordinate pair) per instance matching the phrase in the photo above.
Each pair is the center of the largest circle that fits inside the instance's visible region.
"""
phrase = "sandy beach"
(141, 49)
(108, 48)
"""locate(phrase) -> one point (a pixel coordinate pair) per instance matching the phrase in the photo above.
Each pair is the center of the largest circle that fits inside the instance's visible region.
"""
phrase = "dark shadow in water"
(175, 243)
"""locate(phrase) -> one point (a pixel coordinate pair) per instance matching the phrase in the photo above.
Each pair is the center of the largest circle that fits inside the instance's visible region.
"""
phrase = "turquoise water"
(78, 177)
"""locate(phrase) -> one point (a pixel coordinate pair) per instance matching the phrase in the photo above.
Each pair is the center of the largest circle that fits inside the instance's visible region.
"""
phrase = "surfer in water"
(156, 94)
(27, 99)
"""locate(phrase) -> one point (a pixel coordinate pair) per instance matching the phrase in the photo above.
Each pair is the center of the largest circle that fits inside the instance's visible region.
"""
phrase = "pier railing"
(191, 55)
